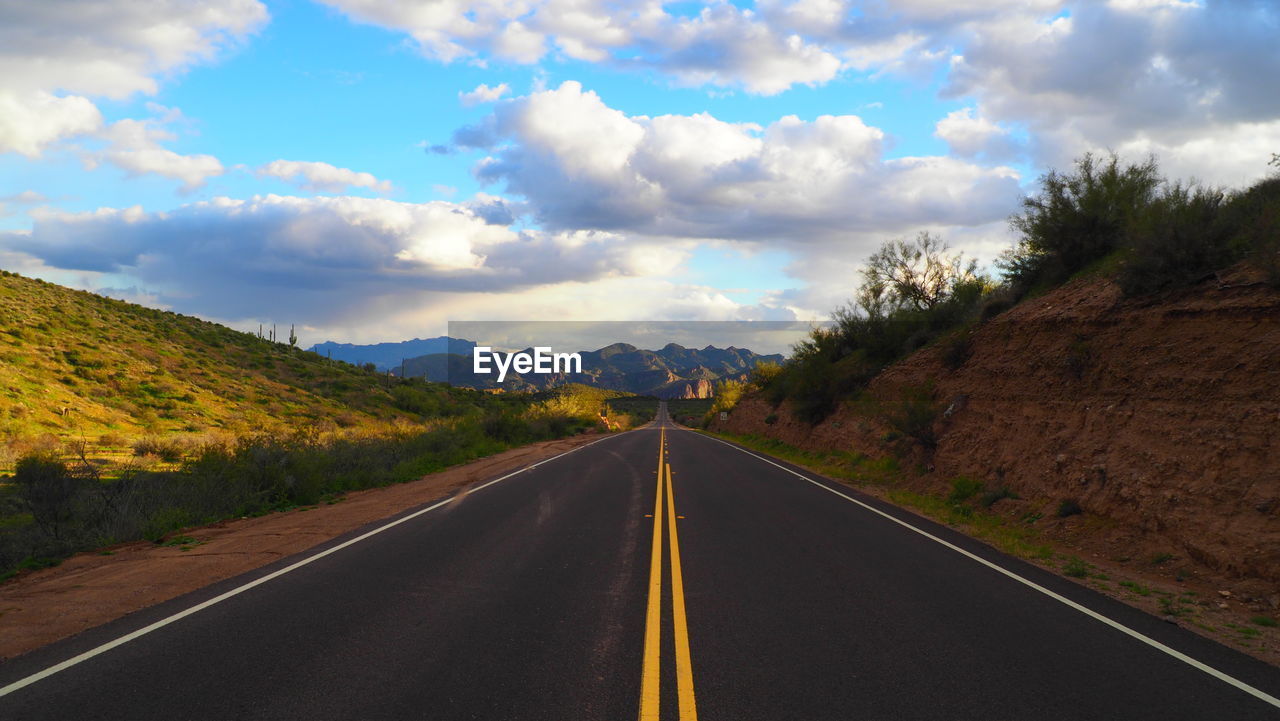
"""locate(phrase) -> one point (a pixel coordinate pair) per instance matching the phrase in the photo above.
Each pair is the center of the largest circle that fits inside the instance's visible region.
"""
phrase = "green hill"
(75, 365)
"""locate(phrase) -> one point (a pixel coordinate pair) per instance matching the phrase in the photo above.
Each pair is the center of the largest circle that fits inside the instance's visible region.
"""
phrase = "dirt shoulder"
(93, 588)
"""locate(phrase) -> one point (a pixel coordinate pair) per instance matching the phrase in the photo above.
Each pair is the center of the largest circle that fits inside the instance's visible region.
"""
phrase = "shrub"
(169, 449)
(50, 491)
(1075, 567)
(1177, 239)
(1077, 218)
(963, 488)
(913, 415)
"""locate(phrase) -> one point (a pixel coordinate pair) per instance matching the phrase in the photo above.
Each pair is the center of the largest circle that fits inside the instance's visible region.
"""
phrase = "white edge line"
(41, 675)
(1264, 696)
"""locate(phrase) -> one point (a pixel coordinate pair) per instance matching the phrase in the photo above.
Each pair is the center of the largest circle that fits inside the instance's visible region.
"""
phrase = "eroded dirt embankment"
(90, 589)
(1159, 417)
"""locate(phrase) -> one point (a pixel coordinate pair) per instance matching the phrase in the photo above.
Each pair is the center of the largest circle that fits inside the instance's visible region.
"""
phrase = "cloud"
(583, 165)
(317, 258)
(135, 147)
(1169, 75)
(969, 136)
(322, 177)
(30, 122)
(483, 94)
(53, 59)
(723, 45)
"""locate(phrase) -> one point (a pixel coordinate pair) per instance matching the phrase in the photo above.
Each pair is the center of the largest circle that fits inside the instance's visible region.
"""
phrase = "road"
(654, 574)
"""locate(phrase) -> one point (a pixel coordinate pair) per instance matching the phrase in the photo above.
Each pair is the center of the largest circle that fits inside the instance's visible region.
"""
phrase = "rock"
(1224, 594)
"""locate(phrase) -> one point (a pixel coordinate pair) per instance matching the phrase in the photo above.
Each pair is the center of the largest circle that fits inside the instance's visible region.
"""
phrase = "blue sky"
(256, 162)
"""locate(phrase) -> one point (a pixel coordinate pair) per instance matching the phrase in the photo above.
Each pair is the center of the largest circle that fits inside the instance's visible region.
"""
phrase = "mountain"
(388, 356)
(670, 372)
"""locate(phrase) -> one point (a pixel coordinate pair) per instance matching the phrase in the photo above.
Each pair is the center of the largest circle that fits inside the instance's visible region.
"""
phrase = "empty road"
(654, 574)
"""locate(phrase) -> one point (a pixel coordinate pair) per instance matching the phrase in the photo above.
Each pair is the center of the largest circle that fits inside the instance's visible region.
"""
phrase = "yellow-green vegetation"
(619, 409)
(75, 365)
(120, 422)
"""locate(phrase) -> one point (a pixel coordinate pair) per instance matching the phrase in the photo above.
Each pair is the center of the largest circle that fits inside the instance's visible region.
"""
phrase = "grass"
(1075, 567)
(1014, 538)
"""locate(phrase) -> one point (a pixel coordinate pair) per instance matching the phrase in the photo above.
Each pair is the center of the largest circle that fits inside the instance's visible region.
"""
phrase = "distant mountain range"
(387, 356)
(671, 372)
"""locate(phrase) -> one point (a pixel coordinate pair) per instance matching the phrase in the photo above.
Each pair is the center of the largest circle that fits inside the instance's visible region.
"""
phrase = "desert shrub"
(963, 488)
(1075, 567)
(1180, 236)
(913, 414)
(1077, 218)
(1069, 507)
(51, 492)
(169, 449)
(765, 373)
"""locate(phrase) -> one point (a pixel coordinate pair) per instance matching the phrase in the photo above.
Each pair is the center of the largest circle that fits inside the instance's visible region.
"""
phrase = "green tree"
(917, 273)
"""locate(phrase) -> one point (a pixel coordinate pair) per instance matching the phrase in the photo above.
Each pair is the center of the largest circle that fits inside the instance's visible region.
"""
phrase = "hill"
(76, 364)
(670, 372)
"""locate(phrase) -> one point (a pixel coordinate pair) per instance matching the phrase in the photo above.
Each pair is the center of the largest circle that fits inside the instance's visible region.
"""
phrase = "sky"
(369, 170)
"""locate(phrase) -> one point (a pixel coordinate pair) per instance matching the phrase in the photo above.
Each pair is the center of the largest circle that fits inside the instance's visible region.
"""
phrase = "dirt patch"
(91, 588)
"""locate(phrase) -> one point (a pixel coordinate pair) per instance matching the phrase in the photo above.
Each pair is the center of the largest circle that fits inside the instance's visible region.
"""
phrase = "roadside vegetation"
(1149, 233)
(119, 422)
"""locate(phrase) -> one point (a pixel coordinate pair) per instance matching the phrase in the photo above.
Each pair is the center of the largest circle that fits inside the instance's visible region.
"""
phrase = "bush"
(1069, 507)
(1077, 218)
(1177, 239)
(913, 415)
(963, 488)
(1075, 567)
(50, 491)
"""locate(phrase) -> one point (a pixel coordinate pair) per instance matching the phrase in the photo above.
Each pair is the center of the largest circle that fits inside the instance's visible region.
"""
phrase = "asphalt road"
(538, 597)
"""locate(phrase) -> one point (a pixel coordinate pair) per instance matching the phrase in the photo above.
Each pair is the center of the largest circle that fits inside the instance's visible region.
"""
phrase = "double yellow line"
(651, 676)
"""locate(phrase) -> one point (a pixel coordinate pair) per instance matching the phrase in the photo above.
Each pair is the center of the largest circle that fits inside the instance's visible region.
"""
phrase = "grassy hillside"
(74, 365)
(120, 422)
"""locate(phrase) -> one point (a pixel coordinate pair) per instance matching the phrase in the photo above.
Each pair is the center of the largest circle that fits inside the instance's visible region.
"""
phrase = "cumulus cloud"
(1174, 76)
(969, 136)
(317, 257)
(483, 94)
(723, 45)
(581, 164)
(322, 177)
(135, 147)
(53, 59)
(30, 122)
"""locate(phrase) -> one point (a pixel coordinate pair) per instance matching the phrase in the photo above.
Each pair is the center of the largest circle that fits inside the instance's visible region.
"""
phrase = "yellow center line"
(651, 678)
(684, 662)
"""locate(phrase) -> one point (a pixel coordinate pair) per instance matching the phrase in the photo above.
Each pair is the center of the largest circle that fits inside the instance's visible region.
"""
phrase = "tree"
(917, 273)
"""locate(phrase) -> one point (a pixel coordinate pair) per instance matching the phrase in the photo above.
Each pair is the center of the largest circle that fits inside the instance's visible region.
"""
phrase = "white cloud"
(30, 122)
(723, 45)
(55, 57)
(969, 136)
(115, 48)
(1180, 78)
(483, 94)
(135, 147)
(322, 177)
(581, 164)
